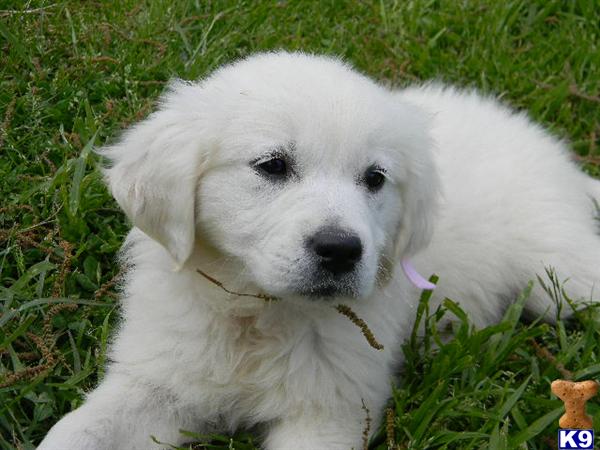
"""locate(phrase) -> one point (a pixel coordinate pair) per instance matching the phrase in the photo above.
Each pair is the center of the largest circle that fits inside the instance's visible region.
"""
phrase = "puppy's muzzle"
(335, 250)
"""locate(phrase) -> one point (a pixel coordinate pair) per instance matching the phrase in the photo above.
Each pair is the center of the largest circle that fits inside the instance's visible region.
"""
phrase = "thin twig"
(367, 428)
(48, 220)
(103, 59)
(345, 310)
(103, 290)
(218, 283)
(10, 12)
(162, 48)
(573, 91)
(544, 353)
(389, 427)
(595, 160)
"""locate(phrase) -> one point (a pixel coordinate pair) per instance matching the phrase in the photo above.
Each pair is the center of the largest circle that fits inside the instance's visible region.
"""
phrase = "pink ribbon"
(415, 277)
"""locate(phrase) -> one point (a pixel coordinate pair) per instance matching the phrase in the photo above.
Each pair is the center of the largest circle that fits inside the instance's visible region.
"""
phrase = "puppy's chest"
(246, 355)
(248, 367)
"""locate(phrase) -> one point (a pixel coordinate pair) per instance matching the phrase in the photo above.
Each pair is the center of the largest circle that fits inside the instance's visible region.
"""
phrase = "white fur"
(496, 198)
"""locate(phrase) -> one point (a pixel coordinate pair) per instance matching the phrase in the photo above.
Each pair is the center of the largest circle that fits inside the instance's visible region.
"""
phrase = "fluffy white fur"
(474, 193)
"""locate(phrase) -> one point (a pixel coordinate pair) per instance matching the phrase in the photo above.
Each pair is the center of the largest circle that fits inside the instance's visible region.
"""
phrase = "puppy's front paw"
(75, 431)
(298, 436)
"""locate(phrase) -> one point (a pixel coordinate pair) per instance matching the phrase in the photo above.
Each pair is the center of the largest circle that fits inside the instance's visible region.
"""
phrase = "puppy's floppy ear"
(155, 169)
(421, 190)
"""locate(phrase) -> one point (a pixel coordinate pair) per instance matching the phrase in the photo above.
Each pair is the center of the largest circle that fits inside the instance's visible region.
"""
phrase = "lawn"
(76, 73)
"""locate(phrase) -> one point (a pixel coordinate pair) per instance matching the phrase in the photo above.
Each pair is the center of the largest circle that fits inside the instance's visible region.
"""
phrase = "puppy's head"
(309, 174)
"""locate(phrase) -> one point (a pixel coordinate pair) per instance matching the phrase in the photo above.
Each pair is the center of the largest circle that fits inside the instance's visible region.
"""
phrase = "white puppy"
(294, 176)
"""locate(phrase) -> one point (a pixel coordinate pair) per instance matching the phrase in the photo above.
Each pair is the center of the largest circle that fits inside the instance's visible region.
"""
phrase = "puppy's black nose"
(338, 251)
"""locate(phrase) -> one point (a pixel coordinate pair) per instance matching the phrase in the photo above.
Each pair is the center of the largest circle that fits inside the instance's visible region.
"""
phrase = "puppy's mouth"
(327, 290)
(322, 291)
(318, 283)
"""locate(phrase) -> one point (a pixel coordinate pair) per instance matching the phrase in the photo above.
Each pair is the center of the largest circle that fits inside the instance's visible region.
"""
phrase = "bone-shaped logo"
(574, 395)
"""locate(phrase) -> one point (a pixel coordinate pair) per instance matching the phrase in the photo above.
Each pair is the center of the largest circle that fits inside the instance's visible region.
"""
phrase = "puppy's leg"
(577, 269)
(315, 433)
(122, 413)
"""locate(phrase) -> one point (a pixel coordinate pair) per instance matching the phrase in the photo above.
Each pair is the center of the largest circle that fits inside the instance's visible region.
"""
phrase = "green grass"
(73, 74)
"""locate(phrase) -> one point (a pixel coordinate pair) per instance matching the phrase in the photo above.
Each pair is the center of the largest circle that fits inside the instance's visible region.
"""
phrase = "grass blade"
(537, 427)
(78, 173)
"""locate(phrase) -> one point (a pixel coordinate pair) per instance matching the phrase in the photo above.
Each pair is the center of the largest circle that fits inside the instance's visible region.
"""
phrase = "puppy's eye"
(374, 178)
(276, 167)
